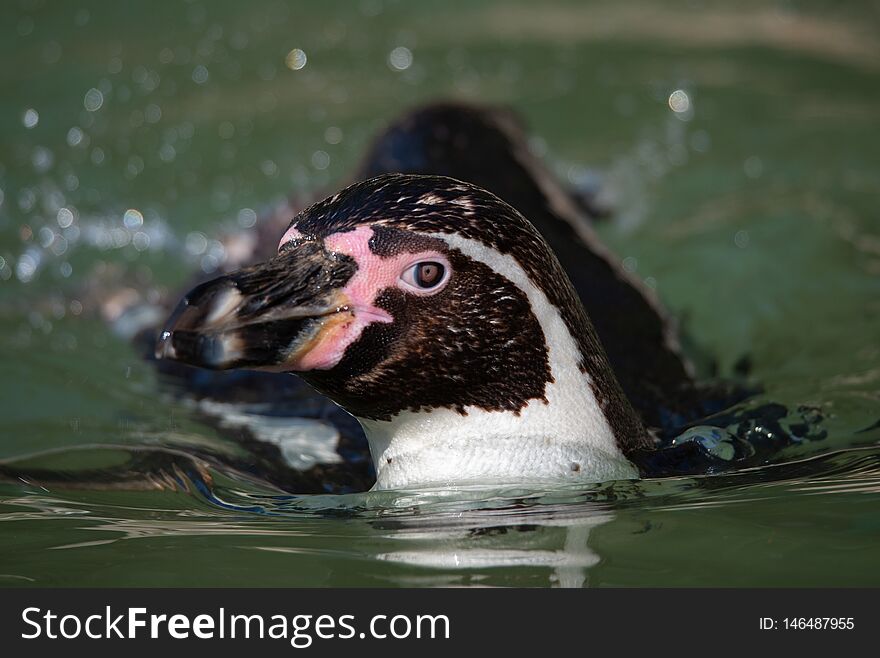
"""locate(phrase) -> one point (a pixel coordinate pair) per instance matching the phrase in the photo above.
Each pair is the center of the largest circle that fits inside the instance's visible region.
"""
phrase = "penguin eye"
(425, 277)
(428, 275)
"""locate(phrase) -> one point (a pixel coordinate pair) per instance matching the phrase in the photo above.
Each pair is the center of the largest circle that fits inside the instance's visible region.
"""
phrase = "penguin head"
(420, 304)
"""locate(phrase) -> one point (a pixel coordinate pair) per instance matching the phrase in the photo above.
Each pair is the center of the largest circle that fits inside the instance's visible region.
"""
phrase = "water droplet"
(27, 199)
(196, 243)
(210, 263)
(133, 218)
(64, 217)
(74, 136)
(72, 233)
(27, 265)
(42, 159)
(296, 59)
(93, 100)
(320, 160)
(247, 217)
(46, 236)
(679, 101)
(139, 75)
(141, 241)
(200, 74)
(153, 113)
(30, 118)
(333, 135)
(400, 58)
(59, 245)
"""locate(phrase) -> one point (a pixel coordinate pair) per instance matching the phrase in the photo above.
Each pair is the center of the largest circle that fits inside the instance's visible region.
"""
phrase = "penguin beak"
(260, 317)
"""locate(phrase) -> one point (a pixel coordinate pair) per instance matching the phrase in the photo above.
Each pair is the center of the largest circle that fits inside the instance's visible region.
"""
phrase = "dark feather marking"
(476, 343)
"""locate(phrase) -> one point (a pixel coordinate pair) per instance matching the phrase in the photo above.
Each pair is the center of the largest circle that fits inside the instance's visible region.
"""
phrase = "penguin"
(628, 385)
(488, 147)
(440, 318)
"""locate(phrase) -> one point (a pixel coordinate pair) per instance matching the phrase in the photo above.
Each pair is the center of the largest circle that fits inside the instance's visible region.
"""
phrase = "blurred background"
(737, 146)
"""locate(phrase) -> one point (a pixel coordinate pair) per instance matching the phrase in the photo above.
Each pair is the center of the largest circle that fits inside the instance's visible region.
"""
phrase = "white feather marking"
(567, 438)
(303, 442)
(224, 306)
(463, 202)
(429, 199)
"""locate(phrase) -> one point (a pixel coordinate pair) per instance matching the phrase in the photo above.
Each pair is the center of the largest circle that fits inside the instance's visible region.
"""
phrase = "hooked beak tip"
(259, 317)
(195, 334)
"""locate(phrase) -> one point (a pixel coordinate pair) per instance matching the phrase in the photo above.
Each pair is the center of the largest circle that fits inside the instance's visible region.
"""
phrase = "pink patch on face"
(374, 274)
(291, 234)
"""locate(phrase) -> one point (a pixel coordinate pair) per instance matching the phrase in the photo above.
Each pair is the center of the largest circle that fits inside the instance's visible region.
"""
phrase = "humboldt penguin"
(625, 381)
(467, 343)
(438, 316)
(489, 148)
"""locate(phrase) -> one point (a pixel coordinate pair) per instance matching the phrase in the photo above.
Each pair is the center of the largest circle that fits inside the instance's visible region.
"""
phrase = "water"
(739, 150)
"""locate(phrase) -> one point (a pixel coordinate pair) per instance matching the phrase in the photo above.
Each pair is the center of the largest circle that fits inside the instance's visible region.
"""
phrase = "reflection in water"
(438, 537)
(559, 544)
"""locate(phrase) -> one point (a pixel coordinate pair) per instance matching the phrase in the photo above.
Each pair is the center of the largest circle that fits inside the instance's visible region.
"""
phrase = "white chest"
(443, 448)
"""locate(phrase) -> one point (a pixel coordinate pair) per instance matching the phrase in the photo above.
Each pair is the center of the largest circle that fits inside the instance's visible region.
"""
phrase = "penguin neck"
(567, 436)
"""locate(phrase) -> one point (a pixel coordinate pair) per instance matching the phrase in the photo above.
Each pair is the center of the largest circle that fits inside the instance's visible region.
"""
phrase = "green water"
(753, 213)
